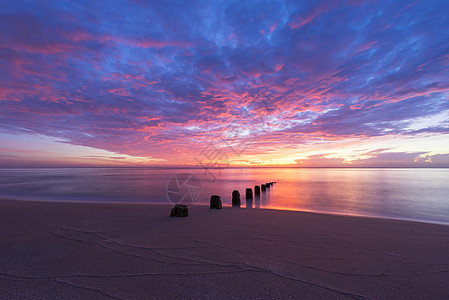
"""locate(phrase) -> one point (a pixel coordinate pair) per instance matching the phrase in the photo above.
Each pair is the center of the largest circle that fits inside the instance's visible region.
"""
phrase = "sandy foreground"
(130, 251)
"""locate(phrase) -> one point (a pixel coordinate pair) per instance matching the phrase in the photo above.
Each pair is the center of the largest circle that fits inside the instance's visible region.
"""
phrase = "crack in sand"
(8, 276)
(292, 278)
(355, 296)
(319, 269)
(369, 249)
(211, 262)
(247, 267)
(56, 277)
(290, 262)
(389, 253)
(124, 253)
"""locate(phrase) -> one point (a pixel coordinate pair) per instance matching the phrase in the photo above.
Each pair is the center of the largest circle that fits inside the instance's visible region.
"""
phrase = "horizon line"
(223, 168)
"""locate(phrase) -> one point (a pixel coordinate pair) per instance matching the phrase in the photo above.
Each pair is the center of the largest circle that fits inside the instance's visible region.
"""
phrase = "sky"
(224, 83)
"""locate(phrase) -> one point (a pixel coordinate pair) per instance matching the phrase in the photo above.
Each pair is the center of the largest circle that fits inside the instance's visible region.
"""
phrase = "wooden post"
(249, 194)
(179, 211)
(257, 190)
(236, 198)
(215, 202)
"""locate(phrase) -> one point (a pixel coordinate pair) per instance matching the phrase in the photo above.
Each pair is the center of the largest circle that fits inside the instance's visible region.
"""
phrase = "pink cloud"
(302, 20)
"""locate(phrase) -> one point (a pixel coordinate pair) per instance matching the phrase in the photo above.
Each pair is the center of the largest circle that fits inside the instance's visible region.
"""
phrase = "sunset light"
(284, 83)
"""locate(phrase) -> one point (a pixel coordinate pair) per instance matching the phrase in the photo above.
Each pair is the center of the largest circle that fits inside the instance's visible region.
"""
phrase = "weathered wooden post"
(179, 211)
(249, 194)
(249, 198)
(236, 198)
(215, 202)
(264, 187)
(257, 190)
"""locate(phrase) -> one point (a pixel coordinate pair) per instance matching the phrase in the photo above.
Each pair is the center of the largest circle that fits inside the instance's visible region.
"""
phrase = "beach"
(57, 250)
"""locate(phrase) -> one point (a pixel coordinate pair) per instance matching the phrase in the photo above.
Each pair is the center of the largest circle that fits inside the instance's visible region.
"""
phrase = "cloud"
(161, 79)
(320, 160)
(100, 156)
(382, 158)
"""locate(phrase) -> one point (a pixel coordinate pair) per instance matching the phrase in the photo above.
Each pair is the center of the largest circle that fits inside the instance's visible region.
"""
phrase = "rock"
(236, 198)
(215, 202)
(257, 190)
(264, 187)
(179, 211)
(249, 194)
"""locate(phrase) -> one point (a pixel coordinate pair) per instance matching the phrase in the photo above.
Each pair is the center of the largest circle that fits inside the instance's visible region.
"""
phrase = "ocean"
(409, 194)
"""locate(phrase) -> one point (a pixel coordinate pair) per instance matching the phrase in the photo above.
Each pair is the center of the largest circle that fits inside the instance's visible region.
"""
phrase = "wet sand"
(129, 251)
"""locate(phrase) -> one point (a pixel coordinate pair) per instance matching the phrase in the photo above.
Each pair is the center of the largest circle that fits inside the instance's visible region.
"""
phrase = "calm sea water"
(414, 194)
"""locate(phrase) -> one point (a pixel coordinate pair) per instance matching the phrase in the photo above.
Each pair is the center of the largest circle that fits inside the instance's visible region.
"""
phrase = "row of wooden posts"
(180, 210)
(215, 201)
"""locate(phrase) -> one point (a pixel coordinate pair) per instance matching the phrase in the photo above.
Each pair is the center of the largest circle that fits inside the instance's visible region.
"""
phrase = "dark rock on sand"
(179, 211)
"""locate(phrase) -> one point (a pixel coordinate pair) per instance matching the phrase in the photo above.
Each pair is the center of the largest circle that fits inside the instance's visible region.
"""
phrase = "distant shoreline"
(219, 168)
